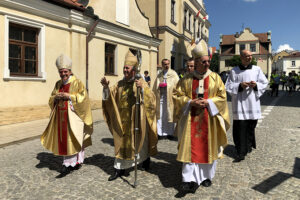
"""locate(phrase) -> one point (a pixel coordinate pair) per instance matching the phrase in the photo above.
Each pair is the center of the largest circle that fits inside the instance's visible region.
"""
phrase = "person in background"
(246, 84)
(163, 87)
(147, 77)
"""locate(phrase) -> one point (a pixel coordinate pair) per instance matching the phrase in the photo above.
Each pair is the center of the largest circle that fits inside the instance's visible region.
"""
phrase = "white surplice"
(164, 127)
(246, 103)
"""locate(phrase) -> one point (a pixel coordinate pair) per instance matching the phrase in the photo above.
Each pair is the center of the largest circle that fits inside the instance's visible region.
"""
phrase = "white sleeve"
(105, 94)
(212, 108)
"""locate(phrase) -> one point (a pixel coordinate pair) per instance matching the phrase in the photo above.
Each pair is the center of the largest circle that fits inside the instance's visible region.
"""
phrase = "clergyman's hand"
(252, 84)
(139, 83)
(245, 84)
(104, 82)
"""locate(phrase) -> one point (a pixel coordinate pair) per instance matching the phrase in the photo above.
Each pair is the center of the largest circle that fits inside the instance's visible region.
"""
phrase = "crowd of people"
(192, 110)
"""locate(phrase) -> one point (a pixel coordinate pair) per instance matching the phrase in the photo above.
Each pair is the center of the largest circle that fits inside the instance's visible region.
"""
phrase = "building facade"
(177, 23)
(258, 43)
(36, 32)
(288, 63)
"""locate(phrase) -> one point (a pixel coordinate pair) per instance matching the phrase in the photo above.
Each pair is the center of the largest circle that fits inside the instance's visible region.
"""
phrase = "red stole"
(62, 121)
(199, 127)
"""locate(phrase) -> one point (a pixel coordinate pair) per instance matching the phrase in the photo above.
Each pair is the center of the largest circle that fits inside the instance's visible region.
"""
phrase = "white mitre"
(199, 49)
(63, 62)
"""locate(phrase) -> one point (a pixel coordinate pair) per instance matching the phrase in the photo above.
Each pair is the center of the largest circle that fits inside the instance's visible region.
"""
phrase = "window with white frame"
(24, 50)
(293, 63)
(109, 59)
(122, 11)
(253, 47)
(173, 10)
(242, 47)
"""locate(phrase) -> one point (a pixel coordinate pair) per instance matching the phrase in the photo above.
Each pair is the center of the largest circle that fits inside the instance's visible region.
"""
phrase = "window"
(110, 59)
(173, 11)
(293, 63)
(122, 11)
(199, 30)
(190, 15)
(253, 47)
(194, 28)
(23, 50)
(185, 20)
(242, 47)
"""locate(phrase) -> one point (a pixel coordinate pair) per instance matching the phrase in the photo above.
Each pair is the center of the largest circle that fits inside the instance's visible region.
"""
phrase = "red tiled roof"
(230, 39)
(293, 55)
(69, 3)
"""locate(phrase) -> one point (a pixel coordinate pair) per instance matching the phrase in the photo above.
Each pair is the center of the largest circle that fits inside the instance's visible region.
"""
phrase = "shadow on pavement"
(50, 161)
(169, 171)
(275, 180)
(230, 151)
(109, 141)
(105, 163)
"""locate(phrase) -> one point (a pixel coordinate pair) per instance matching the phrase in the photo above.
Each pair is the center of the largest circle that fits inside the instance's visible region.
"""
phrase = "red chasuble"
(199, 127)
(62, 110)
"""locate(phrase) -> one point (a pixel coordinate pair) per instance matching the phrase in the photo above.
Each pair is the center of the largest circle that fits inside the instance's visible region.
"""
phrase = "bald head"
(246, 57)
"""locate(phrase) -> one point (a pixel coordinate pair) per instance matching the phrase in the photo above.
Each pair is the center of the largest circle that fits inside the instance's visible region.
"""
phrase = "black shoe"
(162, 137)
(206, 183)
(249, 149)
(118, 173)
(189, 187)
(77, 167)
(146, 164)
(239, 158)
(170, 137)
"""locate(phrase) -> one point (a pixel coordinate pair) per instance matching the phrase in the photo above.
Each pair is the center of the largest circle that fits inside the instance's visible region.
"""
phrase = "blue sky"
(282, 17)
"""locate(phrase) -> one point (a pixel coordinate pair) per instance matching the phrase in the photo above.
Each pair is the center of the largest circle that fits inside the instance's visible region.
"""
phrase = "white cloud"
(251, 1)
(284, 47)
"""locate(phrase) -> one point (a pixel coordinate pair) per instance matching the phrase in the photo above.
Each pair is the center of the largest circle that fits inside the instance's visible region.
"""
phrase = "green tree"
(236, 61)
(215, 64)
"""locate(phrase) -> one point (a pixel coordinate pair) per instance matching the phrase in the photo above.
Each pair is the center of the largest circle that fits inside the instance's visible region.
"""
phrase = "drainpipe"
(88, 37)
(157, 29)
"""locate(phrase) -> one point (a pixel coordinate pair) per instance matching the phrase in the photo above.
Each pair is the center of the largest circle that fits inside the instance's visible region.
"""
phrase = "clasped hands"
(199, 102)
(62, 96)
(250, 84)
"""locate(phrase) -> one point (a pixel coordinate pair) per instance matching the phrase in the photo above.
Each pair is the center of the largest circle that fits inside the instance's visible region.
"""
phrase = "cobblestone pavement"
(271, 171)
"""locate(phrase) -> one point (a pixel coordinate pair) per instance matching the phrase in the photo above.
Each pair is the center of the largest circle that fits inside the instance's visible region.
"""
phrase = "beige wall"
(106, 10)
(70, 39)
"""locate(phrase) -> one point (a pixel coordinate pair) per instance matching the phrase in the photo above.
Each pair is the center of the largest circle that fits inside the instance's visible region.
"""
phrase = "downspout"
(157, 29)
(89, 12)
(87, 53)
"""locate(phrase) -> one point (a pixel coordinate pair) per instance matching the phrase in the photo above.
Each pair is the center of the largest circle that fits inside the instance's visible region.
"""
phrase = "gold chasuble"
(69, 130)
(119, 113)
(201, 137)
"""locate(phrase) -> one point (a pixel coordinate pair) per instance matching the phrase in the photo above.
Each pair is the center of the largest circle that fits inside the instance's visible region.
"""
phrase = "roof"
(293, 55)
(230, 39)
(73, 4)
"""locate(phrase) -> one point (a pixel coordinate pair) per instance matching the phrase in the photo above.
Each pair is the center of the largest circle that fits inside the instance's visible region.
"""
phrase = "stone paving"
(271, 171)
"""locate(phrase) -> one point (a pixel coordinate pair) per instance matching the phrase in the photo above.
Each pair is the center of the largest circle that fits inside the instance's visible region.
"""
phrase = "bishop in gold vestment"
(202, 119)
(119, 113)
(71, 125)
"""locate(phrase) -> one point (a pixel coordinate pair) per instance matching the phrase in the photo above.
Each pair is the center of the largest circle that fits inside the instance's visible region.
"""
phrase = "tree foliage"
(236, 61)
(215, 64)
